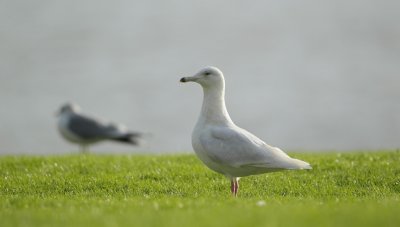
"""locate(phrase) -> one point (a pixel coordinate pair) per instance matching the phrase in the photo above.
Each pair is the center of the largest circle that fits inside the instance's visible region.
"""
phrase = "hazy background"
(302, 75)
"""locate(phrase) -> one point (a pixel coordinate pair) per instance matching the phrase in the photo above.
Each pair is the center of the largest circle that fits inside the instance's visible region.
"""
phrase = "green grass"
(343, 189)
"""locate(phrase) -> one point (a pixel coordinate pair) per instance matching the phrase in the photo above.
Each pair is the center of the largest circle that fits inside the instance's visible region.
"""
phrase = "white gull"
(225, 147)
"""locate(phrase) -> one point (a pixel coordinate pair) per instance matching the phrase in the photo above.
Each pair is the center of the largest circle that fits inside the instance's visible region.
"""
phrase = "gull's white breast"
(198, 132)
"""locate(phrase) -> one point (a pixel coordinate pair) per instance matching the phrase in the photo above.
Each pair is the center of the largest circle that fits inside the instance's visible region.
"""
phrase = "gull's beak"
(188, 79)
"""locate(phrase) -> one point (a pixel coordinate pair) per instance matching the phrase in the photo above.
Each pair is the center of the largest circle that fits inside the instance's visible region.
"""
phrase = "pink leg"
(232, 187)
(236, 184)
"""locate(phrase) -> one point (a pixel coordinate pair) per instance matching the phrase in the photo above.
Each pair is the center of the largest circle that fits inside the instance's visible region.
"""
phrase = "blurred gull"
(225, 147)
(85, 130)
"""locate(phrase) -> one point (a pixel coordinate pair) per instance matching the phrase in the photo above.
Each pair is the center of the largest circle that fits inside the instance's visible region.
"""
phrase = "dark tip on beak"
(183, 80)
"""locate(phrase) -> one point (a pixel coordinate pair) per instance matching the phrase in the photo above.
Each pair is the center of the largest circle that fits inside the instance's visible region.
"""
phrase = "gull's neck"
(214, 110)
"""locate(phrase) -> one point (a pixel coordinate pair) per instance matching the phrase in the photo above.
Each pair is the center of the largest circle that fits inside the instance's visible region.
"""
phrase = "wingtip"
(302, 164)
(308, 167)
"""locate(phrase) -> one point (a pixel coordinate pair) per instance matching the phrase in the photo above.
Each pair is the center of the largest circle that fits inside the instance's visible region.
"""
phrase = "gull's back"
(79, 128)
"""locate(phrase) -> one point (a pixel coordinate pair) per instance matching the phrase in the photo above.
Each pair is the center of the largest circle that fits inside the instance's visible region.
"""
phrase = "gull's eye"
(207, 73)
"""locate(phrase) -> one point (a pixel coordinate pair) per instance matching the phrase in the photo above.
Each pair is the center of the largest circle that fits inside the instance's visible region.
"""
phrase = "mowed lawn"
(343, 189)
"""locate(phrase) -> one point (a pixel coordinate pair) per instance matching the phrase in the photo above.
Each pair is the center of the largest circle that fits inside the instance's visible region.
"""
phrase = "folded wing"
(90, 128)
(236, 147)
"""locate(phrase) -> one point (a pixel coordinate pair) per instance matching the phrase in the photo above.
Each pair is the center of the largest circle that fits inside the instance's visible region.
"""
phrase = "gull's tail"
(290, 163)
(130, 137)
(299, 164)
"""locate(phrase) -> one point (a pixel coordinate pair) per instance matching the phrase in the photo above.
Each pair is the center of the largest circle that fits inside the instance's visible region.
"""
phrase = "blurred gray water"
(302, 75)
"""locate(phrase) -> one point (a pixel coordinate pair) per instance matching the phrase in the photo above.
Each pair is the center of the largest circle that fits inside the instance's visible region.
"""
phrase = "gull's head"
(69, 108)
(208, 77)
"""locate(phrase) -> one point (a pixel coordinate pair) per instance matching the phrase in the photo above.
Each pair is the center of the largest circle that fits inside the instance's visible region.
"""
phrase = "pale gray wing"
(90, 128)
(236, 147)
